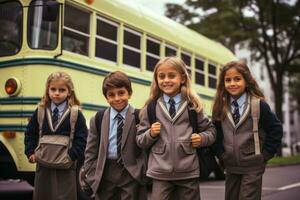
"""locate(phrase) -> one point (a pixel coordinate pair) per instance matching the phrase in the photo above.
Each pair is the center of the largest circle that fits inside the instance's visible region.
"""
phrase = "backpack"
(206, 157)
(52, 150)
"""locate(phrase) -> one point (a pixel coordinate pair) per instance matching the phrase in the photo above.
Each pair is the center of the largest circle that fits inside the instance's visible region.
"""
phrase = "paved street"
(279, 183)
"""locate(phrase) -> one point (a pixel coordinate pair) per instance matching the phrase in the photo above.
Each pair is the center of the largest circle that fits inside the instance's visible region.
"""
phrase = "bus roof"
(161, 27)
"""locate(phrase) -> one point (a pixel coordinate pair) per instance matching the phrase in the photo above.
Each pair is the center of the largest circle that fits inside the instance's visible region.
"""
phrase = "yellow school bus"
(87, 39)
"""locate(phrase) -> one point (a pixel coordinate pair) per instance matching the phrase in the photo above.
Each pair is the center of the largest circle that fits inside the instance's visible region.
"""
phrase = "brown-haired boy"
(114, 165)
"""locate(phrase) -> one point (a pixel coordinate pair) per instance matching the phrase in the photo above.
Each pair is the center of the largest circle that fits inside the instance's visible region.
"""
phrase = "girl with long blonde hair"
(173, 163)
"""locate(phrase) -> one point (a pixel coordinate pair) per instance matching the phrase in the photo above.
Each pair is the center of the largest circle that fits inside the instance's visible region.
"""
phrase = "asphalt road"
(279, 183)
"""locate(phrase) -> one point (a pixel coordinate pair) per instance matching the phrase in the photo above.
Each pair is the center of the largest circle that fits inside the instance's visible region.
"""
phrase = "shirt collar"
(61, 107)
(176, 98)
(241, 101)
(113, 112)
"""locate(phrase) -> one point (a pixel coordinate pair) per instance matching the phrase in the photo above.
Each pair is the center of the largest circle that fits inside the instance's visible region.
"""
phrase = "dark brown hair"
(116, 79)
(222, 97)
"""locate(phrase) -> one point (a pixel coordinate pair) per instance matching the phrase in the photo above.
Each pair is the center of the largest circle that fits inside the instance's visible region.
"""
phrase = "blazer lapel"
(229, 116)
(61, 119)
(105, 133)
(127, 124)
(243, 117)
(166, 112)
(246, 112)
(181, 109)
(164, 108)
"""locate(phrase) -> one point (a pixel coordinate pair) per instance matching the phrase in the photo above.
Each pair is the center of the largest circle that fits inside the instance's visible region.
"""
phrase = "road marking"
(269, 188)
(289, 186)
(264, 188)
(211, 187)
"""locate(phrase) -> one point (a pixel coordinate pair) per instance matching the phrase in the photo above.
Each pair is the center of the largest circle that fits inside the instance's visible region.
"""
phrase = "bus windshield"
(11, 18)
(43, 23)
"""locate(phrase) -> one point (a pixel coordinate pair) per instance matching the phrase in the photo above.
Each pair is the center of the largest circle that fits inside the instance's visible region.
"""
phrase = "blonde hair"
(55, 76)
(186, 88)
(220, 105)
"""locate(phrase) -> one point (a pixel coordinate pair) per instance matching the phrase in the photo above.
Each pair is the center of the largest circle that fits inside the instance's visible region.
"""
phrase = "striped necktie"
(236, 113)
(120, 125)
(172, 110)
(55, 117)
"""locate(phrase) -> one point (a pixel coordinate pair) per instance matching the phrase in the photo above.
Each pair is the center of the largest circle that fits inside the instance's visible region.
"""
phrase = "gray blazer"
(95, 152)
(171, 155)
(239, 145)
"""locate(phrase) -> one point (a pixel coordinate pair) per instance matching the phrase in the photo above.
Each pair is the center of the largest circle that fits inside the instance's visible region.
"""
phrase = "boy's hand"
(196, 140)
(155, 129)
(31, 158)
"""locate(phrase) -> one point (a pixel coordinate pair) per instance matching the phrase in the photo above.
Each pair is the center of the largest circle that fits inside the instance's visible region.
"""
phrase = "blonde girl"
(235, 139)
(59, 97)
(173, 162)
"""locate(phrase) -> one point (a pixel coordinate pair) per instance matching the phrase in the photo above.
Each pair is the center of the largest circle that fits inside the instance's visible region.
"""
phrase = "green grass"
(284, 160)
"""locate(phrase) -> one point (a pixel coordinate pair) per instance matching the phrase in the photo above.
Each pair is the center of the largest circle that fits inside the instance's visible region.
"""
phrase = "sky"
(157, 5)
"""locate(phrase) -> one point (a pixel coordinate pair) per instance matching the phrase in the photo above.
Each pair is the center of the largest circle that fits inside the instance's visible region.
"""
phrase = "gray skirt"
(55, 184)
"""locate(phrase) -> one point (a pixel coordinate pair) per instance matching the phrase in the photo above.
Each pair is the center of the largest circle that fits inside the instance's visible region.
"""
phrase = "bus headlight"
(12, 86)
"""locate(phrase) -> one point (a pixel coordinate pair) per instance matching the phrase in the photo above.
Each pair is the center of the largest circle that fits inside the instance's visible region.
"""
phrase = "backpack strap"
(40, 118)
(193, 120)
(136, 116)
(255, 112)
(98, 120)
(73, 120)
(151, 111)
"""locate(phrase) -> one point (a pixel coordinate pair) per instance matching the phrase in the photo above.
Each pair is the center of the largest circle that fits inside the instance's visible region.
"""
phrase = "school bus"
(88, 39)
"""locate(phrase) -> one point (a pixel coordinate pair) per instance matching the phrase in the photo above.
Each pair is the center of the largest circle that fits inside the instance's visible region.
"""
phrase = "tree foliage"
(271, 28)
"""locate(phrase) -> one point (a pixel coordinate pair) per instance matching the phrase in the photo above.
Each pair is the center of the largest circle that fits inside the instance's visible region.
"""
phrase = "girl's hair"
(55, 76)
(186, 88)
(222, 97)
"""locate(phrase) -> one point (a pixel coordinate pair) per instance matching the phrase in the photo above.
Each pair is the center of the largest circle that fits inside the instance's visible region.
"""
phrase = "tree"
(270, 26)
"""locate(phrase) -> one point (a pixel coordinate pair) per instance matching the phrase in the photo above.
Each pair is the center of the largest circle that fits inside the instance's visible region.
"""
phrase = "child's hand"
(196, 140)
(31, 158)
(155, 129)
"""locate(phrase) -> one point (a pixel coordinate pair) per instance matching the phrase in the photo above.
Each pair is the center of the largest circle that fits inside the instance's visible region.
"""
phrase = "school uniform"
(235, 147)
(104, 173)
(51, 183)
(172, 159)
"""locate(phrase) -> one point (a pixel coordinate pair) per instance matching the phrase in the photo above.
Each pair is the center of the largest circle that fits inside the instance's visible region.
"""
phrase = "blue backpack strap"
(151, 111)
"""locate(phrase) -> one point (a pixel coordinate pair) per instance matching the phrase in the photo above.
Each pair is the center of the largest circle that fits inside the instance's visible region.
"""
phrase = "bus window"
(186, 57)
(212, 76)
(42, 32)
(153, 52)
(170, 50)
(199, 69)
(107, 39)
(132, 48)
(76, 30)
(11, 18)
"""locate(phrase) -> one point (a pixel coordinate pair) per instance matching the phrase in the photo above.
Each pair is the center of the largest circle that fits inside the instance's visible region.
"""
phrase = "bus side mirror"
(50, 10)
